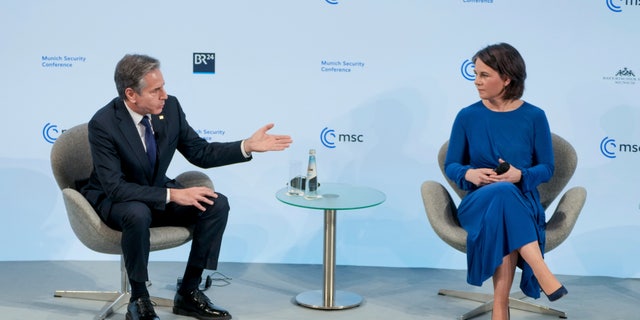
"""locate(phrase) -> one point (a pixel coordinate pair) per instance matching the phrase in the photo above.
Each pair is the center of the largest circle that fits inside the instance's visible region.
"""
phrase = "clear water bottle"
(311, 188)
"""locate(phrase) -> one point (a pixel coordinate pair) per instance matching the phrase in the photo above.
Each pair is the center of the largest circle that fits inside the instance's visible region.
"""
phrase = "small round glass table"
(332, 197)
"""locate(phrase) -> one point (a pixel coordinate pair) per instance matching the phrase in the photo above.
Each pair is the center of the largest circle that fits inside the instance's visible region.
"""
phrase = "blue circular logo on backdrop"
(604, 147)
(324, 137)
(50, 132)
(332, 1)
(466, 69)
(613, 7)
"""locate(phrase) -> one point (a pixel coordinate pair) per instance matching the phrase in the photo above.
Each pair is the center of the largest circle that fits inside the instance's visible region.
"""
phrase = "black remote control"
(502, 168)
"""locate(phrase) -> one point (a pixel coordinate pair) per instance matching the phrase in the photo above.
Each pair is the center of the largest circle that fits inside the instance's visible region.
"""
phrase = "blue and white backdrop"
(373, 86)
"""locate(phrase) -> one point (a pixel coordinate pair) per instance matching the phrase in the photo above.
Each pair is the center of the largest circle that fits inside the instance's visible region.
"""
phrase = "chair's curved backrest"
(565, 161)
(71, 157)
(71, 162)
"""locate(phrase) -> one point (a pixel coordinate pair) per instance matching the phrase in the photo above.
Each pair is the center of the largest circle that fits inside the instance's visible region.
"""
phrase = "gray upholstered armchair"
(442, 212)
(71, 162)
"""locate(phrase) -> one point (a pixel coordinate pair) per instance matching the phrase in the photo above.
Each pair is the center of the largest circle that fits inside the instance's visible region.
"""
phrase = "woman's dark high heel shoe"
(561, 292)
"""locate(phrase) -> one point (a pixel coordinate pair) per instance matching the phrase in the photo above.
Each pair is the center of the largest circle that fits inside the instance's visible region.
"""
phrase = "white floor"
(267, 291)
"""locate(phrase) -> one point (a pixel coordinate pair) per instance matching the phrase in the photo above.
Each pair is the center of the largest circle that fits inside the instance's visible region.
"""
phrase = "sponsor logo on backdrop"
(209, 134)
(619, 5)
(61, 62)
(204, 62)
(610, 148)
(466, 69)
(331, 1)
(341, 66)
(50, 132)
(622, 76)
(329, 138)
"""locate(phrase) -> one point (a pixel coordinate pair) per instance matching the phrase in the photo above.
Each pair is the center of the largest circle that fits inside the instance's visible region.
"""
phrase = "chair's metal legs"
(117, 298)
(515, 301)
(474, 296)
(486, 299)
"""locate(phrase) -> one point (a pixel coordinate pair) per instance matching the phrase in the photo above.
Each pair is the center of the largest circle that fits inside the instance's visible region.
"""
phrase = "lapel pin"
(161, 117)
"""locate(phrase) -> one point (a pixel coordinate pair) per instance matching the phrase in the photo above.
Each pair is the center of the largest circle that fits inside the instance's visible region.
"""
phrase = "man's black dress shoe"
(141, 309)
(196, 304)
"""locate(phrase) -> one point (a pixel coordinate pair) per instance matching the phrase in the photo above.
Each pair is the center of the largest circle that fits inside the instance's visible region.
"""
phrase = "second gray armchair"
(442, 214)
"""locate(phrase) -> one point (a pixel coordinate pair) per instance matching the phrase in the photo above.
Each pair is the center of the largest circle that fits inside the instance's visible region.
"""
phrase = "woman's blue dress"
(501, 217)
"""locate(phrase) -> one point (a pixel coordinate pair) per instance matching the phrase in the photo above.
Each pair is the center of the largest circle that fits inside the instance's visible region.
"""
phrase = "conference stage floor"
(267, 291)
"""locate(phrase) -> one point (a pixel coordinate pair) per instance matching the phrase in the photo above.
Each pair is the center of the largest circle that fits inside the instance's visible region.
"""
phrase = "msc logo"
(609, 147)
(606, 147)
(328, 137)
(204, 62)
(50, 133)
(466, 69)
(616, 5)
(612, 6)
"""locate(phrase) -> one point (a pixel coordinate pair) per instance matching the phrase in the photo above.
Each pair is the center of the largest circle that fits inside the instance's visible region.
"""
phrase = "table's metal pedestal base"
(329, 298)
(341, 300)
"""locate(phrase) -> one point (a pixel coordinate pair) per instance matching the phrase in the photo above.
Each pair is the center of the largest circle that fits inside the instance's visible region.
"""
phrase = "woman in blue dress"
(502, 213)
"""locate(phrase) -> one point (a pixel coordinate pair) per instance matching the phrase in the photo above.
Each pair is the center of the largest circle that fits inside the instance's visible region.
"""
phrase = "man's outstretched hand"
(261, 141)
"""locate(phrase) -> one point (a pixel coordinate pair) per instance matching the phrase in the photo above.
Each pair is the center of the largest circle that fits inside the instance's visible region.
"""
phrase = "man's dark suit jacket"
(121, 170)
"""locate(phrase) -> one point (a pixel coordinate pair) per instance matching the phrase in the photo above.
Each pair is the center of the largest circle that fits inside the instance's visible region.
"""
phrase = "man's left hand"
(261, 141)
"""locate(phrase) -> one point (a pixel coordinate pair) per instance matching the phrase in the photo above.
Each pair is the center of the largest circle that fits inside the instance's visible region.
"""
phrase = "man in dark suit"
(133, 139)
